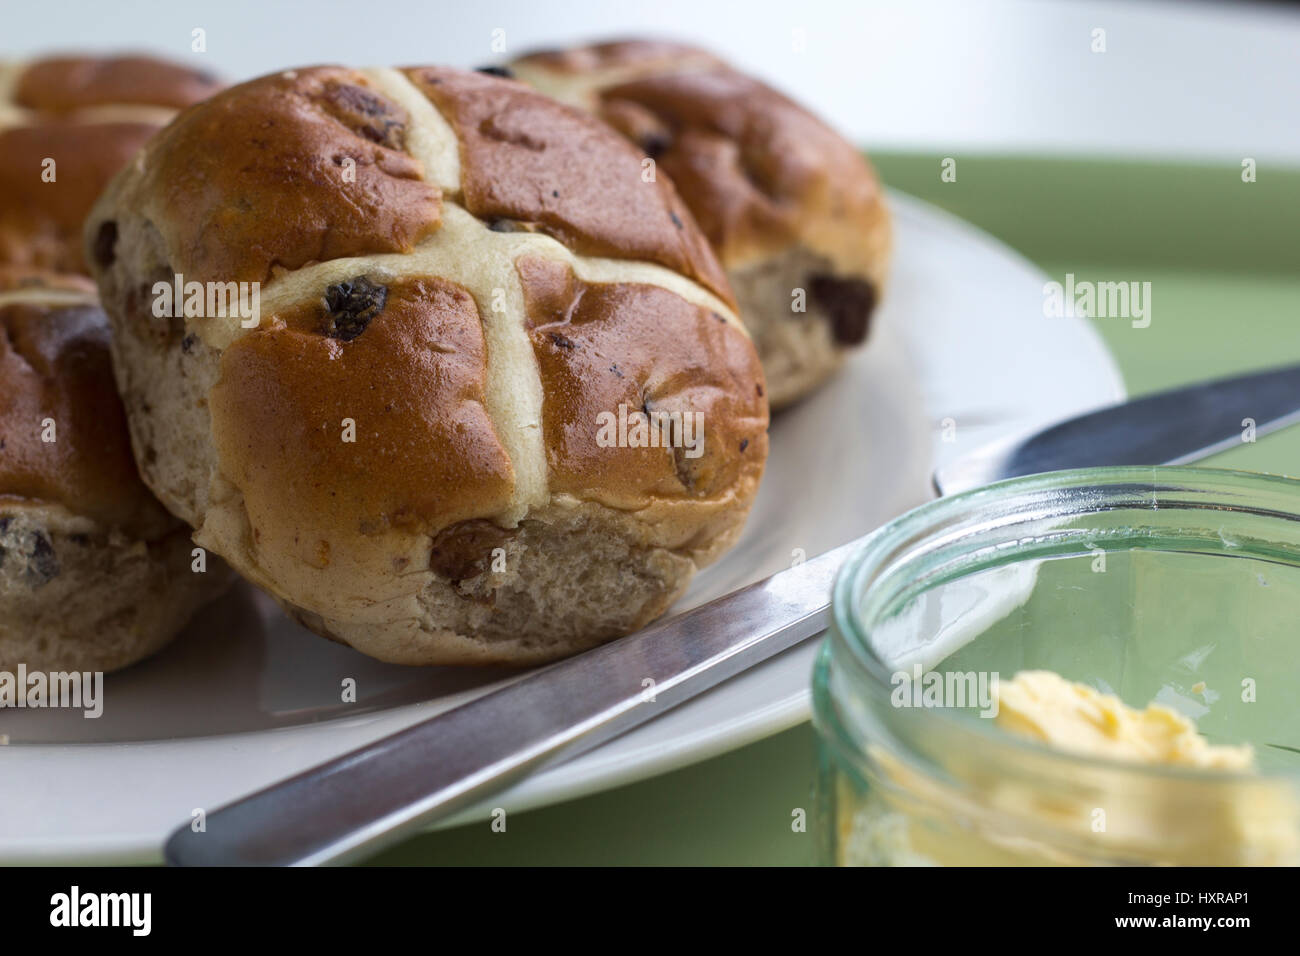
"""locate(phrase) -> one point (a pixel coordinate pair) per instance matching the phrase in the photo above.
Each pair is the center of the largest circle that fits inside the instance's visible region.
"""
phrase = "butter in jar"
(1140, 623)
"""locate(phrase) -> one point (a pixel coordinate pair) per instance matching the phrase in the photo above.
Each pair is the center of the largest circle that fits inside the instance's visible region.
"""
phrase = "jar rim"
(1258, 493)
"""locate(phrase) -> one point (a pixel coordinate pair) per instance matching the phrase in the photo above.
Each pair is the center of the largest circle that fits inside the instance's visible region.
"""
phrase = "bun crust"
(54, 364)
(89, 115)
(468, 276)
(785, 201)
(94, 574)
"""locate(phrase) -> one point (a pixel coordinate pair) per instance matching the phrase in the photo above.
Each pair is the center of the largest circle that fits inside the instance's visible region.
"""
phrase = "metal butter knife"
(374, 796)
(1167, 428)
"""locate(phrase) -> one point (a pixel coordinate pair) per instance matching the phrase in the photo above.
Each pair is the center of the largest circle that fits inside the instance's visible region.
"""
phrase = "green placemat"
(1223, 260)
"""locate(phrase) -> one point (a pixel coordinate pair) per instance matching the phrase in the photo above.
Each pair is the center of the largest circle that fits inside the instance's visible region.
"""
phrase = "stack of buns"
(500, 393)
(94, 573)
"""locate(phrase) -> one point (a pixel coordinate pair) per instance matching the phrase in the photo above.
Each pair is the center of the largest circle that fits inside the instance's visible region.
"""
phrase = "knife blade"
(377, 794)
(1168, 428)
(364, 800)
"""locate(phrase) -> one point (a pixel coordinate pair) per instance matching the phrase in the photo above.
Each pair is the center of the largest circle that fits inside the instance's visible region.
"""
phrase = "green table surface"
(1223, 260)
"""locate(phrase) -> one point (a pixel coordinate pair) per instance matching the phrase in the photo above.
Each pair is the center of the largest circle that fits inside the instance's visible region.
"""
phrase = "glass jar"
(1174, 585)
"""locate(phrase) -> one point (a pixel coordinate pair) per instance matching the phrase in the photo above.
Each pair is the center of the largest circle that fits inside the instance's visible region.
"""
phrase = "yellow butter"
(1075, 717)
(987, 809)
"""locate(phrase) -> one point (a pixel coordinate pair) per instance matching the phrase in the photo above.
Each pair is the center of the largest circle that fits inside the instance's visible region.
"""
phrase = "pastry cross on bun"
(787, 203)
(462, 284)
(94, 574)
(89, 115)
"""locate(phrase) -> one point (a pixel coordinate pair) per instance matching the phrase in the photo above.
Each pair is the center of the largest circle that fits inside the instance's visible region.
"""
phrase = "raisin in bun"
(785, 201)
(94, 573)
(89, 116)
(459, 279)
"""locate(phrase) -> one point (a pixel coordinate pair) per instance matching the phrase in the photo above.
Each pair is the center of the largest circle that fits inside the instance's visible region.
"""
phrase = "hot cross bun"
(448, 434)
(793, 210)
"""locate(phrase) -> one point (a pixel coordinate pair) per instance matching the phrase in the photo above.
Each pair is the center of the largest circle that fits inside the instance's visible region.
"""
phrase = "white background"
(1201, 79)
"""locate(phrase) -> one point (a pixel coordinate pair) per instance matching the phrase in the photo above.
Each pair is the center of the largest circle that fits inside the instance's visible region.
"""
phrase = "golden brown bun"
(89, 115)
(469, 274)
(54, 364)
(785, 201)
(94, 573)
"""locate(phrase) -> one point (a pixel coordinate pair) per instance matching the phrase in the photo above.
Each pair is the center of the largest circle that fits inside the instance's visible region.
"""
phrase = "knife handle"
(371, 797)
